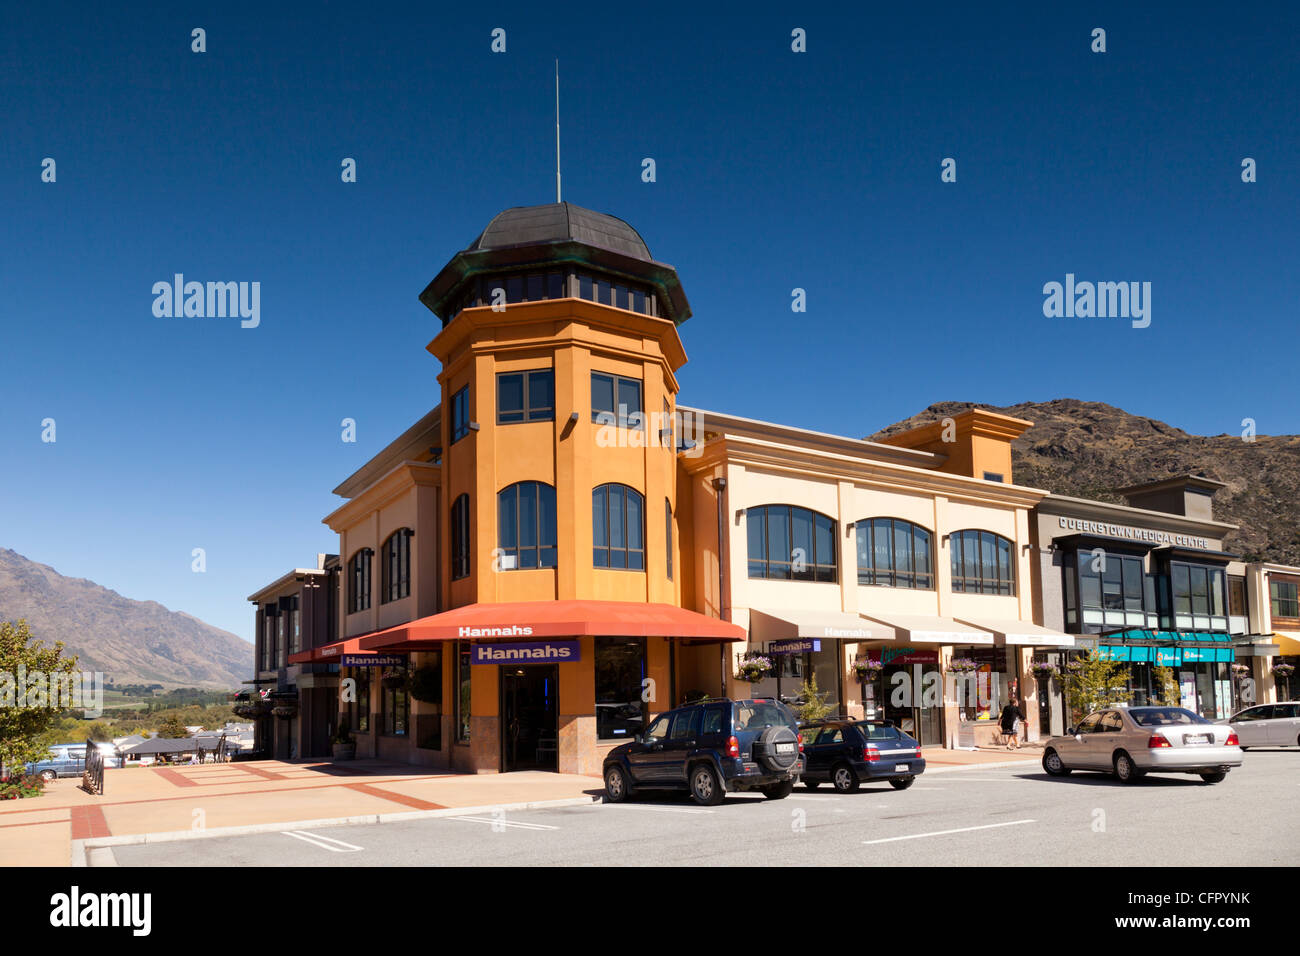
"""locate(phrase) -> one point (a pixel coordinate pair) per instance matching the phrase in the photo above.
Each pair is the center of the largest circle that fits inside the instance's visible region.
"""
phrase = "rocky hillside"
(1086, 449)
(132, 642)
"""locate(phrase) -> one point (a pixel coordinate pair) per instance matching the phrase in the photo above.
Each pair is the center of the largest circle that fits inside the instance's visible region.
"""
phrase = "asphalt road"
(976, 817)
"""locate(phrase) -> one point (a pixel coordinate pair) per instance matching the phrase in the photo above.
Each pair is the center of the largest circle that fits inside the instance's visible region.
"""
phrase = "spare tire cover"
(768, 749)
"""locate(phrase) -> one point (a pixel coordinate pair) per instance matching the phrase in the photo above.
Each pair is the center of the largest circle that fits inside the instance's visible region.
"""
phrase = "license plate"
(901, 766)
(785, 748)
(1198, 738)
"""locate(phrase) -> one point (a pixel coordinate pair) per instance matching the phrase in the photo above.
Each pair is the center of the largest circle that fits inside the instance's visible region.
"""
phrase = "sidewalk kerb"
(80, 848)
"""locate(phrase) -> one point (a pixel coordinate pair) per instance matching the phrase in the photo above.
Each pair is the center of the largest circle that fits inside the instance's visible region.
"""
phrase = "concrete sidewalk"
(165, 803)
(188, 799)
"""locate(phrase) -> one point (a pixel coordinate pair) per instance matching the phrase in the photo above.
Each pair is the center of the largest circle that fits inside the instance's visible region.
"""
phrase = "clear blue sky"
(775, 170)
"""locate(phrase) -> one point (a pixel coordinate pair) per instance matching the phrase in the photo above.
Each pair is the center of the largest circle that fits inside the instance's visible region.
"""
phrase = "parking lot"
(981, 816)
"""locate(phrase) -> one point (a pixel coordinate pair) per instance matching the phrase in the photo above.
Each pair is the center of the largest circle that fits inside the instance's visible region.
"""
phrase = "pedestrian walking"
(1012, 715)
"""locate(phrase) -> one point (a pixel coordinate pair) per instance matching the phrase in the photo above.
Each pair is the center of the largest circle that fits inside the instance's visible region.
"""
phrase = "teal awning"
(1166, 648)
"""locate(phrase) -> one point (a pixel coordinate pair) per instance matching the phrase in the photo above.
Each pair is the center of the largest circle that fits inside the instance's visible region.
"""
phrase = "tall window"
(460, 415)
(463, 668)
(1114, 590)
(790, 544)
(526, 525)
(269, 615)
(620, 671)
(894, 553)
(618, 528)
(460, 538)
(1284, 598)
(295, 627)
(526, 396)
(616, 400)
(668, 534)
(395, 705)
(1200, 596)
(396, 562)
(981, 563)
(359, 581)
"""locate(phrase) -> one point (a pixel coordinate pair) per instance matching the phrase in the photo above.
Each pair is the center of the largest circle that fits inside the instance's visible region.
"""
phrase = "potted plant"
(393, 678)
(753, 667)
(344, 747)
(1241, 670)
(867, 670)
(963, 665)
(1043, 671)
(426, 684)
(1282, 670)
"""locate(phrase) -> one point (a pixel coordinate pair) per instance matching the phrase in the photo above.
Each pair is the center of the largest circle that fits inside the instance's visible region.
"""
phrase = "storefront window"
(359, 709)
(980, 694)
(1284, 598)
(620, 670)
(463, 668)
(1112, 590)
(1200, 597)
(396, 706)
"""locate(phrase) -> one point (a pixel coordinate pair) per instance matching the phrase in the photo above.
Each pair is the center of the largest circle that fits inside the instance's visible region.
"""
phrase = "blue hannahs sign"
(533, 652)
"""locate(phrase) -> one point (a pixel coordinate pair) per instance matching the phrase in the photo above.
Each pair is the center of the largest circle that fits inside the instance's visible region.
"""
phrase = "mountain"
(132, 642)
(1087, 449)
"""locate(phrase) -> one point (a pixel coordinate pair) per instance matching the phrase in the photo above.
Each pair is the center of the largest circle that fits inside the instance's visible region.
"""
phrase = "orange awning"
(329, 652)
(527, 620)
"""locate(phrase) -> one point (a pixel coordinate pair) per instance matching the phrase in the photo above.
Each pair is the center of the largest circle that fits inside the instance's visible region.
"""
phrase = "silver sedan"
(1131, 742)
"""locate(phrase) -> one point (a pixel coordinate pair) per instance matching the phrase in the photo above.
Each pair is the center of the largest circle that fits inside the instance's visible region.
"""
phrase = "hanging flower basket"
(867, 670)
(251, 708)
(285, 711)
(393, 679)
(1241, 670)
(963, 665)
(753, 668)
(1282, 670)
(1043, 671)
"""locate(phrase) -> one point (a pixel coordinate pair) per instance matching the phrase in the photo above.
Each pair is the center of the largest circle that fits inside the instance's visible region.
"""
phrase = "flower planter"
(345, 751)
(753, 668)
(285, 711)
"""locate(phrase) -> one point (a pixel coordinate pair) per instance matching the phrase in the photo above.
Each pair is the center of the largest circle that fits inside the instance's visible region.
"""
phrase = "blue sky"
(775, 170)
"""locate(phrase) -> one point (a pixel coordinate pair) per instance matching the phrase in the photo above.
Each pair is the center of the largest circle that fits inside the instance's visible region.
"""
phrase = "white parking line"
(505, 823)
(795, 796)
(324, 842)
(918, 836)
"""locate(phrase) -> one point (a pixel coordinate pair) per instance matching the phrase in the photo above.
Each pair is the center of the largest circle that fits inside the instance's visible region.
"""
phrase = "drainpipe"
(720, 487)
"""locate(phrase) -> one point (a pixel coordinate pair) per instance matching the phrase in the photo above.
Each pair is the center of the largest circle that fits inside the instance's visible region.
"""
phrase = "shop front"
(551, 685)
(1200, 662)
(807, 648)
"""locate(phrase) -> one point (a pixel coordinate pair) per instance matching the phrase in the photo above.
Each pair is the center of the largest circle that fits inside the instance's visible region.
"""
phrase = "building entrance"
(529, 728)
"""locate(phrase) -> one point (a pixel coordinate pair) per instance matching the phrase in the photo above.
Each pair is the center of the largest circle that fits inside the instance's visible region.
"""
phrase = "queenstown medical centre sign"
(1136, 534)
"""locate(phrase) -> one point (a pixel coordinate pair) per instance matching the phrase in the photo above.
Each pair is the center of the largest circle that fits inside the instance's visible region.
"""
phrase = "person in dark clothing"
(1012, 715)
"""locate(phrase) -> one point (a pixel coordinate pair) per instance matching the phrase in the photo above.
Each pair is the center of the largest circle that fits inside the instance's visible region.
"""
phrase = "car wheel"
(1053, 764)
(779, 791)
(49, 776)
(1126, 771)
(902, 783)
(1213, 777)
(844, 779)
(617, 788)
(705, 788)
(811, 784)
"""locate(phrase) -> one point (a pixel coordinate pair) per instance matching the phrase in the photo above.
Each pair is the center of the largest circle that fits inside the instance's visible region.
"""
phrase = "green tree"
(814, 706)
(172, 728)
(1092, 681)
(1167, 688)
(98, 731)
(25, 716)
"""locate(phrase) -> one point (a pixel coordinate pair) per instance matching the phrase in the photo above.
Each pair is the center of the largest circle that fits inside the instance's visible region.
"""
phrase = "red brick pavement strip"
(88, 822)
(415, 803)
(178, 779)
(259, 772)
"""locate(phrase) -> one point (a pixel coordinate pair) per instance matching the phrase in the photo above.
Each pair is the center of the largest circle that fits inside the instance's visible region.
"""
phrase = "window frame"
(980, 582)
(817, 571)
(460, 538)
(526, 411)
(871, 576)
(459, 421)
(543, 495)
(613, 416)
(360, 580)
(609, 548)
(391, 590)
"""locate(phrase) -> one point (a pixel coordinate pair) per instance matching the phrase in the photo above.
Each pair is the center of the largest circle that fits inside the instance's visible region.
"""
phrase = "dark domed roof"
(557, 222)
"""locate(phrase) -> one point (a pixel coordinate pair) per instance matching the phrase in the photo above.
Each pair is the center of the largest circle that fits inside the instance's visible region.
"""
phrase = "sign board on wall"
(1137, 534)
(372, 660)
(802, 645)
(908, 655)
(533, 652)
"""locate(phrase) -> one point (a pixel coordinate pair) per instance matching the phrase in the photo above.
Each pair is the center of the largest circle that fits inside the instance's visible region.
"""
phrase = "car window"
(711, 722)
(686, 724)
(1165, 716)
(1089, 724)
(1289, 710)
(1251, 713)
(659, 729)
(831, 735)
(1110, 723)
(757, 714)
(874, 731)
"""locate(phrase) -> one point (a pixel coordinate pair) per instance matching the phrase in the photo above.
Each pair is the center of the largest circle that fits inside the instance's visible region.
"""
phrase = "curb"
(81, 848)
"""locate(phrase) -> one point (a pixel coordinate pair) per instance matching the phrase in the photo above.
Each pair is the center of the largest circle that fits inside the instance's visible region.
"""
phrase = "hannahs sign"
(1137, 534)
(534, 652)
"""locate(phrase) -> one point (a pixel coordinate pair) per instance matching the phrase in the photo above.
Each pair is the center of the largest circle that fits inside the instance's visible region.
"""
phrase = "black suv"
(709, 748)
(844, 751)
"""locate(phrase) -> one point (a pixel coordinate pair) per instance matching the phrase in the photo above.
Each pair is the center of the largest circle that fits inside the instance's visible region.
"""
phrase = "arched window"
(790, 544)
(526, 525)
(460, 538)
(894, 553)
(359, 581)
(395, 565)
(981, 563)
(618, 528)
